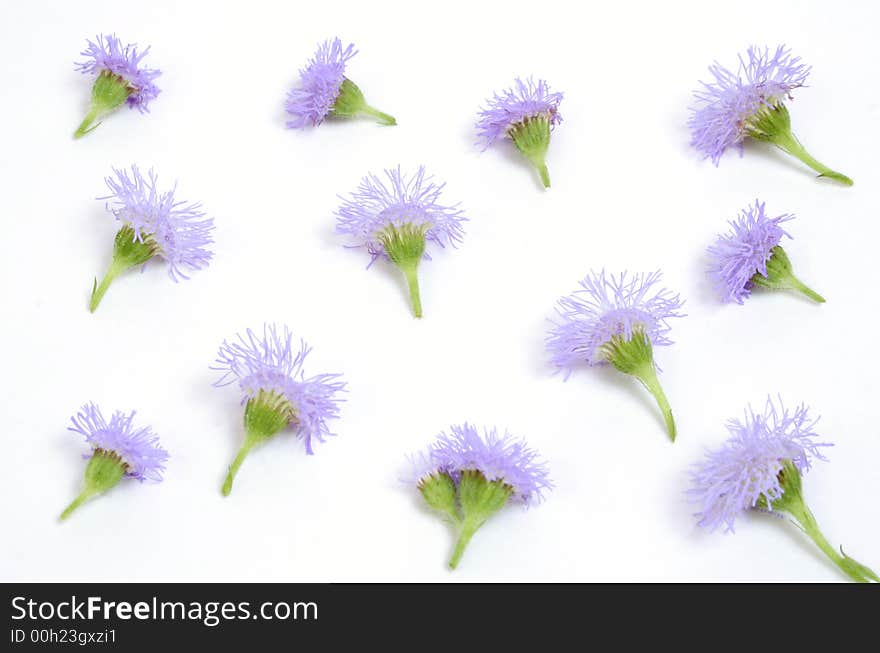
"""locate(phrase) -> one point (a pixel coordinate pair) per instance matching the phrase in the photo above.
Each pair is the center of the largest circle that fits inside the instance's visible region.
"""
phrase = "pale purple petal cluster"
(137, 447)
(605, 306)
(527, 99)
(744, 251)
(273, 363)
(106, 52)
(319, 84)
(497, 457)
(396, 200)
(746, 468)
(180, 229)
(723, 107)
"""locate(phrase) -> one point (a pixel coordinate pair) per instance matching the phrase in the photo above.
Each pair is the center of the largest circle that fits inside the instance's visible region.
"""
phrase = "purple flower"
(395, 218)
(724, 108)
(138, 448)
(272, 364)
(324, 90)
(107, 54)
(745, 472)
(606, 306)
(751, 103)
(526, 100)
(377, 205)
(736, 257)
(499, 458)
(179, 230)
(616, 320)
(527, 113)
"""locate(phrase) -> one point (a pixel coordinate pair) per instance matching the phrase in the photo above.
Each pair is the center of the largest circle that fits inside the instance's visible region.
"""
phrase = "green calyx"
(405, 245)
(772, 124)
(105, 469)
(109, 92)
(351, 102)
(467, 506)
(635, 356)
(792, 502)
(532, 138)
(265, 414)
(129, 251)
(780, 276)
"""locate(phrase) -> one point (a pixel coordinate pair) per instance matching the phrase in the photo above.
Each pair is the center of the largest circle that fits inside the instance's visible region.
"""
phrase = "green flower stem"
(532, 138)
(773, 125)
(635, 356)
(129, 250)
(789, 143)
(781, 277)
(466, 532)
(109, 92)
(239, 459)
(648, 376)
(104, 470)
(410, 271)
(405, 245)
(116, 268)
(381, 116)
(265, 414)
(792, 502)
(84, 496)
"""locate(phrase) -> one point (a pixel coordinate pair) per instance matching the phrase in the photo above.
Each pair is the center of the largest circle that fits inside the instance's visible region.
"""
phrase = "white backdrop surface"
(628, 193)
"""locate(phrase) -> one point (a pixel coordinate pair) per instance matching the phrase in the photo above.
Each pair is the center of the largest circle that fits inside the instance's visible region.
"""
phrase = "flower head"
(138, 448)
(271, 364)
(397, 200)
(745, 472)
(725, 107)
(324, 90)
(502, 458)
(395, 218)
(526, 100)
(527, 113)
(179, 231)
(319, 85)
(107, 54)
(606, 306)
(736, 257)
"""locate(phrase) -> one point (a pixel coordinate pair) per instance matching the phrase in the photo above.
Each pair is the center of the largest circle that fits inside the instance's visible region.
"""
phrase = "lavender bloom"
(469, 477)
(275, 390)
(120, 78)
(761, 467)
(616, 320)
(750, 103)
(395, 221)
(744, 472)
(502, 458)
(118, 449)
(324, 90)
(527, 113)
(750, 255)
(154, 223)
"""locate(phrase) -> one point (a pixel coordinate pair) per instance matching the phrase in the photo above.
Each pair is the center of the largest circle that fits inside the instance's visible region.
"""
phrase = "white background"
(628, 192)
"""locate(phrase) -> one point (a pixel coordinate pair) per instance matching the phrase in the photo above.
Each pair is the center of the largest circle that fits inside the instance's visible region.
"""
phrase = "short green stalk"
(265, 414)
(780, 276)
(635, 356)
(104, 470)
(792, 502)
(351, 102)
(532, 138)
(109, 92)
(405, 245)
(772, 124)
(129, 251)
